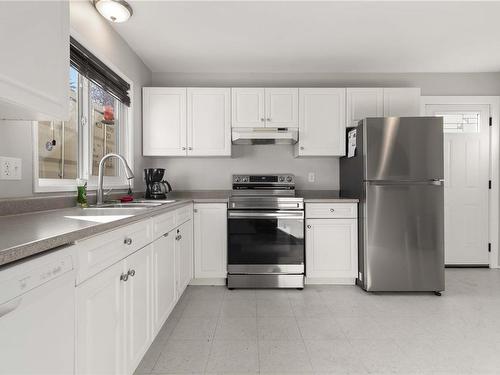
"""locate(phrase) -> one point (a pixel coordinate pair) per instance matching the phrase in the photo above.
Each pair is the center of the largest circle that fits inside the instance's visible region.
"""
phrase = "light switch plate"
(10, 168)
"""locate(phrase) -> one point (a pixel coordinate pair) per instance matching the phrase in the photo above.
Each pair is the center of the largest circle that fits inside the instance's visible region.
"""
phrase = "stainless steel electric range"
(265, 233)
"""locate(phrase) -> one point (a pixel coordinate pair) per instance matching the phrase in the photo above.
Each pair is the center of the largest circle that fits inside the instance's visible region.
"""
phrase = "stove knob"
(282, 179)
(236, 179)
(289, 179)
(245, 179)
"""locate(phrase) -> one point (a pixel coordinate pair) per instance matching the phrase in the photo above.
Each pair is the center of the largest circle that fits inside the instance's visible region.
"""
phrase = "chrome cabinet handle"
(308, 226)
(127, 241)
(124, 277)
(131, 273)
(332, 210)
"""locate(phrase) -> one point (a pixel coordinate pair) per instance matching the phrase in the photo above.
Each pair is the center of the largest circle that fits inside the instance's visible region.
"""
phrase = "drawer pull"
(127, 241)
(332, 210)
(131, 273)
(178, 237)
(124, 277)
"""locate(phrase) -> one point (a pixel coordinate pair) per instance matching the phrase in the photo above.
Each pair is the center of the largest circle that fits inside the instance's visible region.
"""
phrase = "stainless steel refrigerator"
(395, 167)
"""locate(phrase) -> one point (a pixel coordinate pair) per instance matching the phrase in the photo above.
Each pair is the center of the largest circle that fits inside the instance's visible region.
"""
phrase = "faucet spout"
(128, 173)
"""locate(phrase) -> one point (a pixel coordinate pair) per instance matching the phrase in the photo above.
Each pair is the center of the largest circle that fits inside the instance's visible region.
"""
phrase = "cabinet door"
(282, 107)
(137, 307)
(401, 102)
(164, 121)
(331, 248)
(322, 122)
(34, 68)
(99, 327)
(184, 254)
(208, 122)
(210, 240)
(364, 102)
(163, 288)
(248, 108)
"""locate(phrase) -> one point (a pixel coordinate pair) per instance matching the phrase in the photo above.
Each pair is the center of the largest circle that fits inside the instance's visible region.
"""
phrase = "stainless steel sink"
(140, 204)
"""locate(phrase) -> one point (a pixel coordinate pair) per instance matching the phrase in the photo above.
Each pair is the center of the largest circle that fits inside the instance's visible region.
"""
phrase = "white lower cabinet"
(331, 250)
(210, 243)
(121, 308)
(184, 255)
(99, 327)
(164, 291)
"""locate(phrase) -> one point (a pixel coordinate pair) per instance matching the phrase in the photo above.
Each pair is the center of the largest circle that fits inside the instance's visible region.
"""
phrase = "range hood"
(264, 136)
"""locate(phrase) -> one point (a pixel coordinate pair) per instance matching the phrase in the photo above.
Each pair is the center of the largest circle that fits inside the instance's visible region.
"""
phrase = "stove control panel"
(276, 179)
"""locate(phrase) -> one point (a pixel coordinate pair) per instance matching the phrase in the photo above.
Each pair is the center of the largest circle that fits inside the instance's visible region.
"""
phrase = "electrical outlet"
(10, 168)
(311, 177)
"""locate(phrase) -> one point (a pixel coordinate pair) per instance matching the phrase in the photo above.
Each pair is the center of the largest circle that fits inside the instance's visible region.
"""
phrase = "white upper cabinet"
(401, 102)
(208, 121)
(364, 102)
(34, 68)
(210, 240)
(248, 108)
(164, 121)
(321, 122)
(282, 107)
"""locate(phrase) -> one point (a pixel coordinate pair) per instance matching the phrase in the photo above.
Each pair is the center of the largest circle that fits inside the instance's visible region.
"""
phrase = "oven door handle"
(265, 215)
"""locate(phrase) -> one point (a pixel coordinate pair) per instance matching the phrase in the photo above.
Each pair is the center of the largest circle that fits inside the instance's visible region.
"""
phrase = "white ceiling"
(298, 37)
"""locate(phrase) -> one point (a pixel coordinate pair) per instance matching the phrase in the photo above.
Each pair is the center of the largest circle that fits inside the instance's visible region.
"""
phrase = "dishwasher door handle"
(8, 307)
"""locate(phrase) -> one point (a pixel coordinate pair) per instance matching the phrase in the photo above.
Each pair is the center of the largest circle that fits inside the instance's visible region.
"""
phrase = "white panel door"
(210, 240)
(163, 288)
(466, 175)
(184, 255)
(99, 328)
(282, 107)
(322, 122)
(208, 121)
(362, 103)
(137, 307)
(401, 102)
(164, 121)
(248, 108)
(331, 248)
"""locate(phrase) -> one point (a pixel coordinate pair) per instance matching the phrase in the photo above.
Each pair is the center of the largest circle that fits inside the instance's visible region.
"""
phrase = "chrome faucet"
(128, 173)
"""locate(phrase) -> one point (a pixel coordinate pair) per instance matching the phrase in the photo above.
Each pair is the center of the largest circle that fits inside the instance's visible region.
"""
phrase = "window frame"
(126, 147)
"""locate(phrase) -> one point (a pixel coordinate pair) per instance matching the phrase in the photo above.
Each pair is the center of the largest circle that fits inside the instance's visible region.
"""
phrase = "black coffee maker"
(156, 187)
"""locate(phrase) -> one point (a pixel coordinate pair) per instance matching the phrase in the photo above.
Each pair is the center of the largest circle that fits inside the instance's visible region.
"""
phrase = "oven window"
(265, 241)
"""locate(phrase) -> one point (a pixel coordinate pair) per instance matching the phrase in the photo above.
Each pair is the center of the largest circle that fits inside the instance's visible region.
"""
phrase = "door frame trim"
(494, 167)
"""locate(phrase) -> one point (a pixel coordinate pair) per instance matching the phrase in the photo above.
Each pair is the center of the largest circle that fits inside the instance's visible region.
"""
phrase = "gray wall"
(214, 173)
(98, 36)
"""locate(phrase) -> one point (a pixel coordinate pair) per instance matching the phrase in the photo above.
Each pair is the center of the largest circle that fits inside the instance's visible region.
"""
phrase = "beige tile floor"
(333, 330)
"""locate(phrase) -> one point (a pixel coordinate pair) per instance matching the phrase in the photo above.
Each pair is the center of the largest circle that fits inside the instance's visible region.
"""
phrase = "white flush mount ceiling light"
(114, 10)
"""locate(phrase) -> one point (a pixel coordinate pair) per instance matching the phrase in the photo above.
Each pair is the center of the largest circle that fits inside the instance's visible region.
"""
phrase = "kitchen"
(250, 116)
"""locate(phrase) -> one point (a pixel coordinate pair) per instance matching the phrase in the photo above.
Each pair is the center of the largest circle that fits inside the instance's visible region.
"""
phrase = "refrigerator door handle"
(434, 181)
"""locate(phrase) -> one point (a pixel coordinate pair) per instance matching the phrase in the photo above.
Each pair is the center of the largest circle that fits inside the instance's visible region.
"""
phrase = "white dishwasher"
(37, 315)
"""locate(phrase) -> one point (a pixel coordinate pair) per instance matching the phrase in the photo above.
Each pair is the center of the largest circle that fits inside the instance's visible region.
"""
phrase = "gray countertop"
(28, 234)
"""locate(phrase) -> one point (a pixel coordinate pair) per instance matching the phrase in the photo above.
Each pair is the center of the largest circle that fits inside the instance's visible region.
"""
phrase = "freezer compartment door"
(404, 237)
(403, 148)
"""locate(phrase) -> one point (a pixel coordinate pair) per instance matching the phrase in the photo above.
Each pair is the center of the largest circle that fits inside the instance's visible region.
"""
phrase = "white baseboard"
(330, 281)
(209, 281)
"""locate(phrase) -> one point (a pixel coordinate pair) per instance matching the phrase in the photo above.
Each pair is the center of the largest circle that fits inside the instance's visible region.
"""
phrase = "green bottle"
(81, 199)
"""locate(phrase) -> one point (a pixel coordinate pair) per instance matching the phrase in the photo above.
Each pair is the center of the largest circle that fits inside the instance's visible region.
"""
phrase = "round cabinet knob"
(131, 272)
(301, 147)
(332, 210)
(308, 227)
(124, 277)
(289, 179)
(262, 119)
(190, 148)
(184, 148)
(127, 241)
(268, 119)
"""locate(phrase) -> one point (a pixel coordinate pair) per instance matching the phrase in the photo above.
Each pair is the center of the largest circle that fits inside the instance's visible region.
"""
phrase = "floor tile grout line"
(214, 333)
(302, 338)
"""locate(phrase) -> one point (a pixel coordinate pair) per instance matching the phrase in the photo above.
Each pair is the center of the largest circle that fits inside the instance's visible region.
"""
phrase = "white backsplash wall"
(215, 173)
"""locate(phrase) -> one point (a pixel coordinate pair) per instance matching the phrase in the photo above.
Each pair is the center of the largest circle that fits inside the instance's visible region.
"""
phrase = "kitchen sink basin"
(141, 204)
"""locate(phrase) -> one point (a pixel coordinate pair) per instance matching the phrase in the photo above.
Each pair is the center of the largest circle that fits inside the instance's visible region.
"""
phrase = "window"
(67, 150)
(460, 122)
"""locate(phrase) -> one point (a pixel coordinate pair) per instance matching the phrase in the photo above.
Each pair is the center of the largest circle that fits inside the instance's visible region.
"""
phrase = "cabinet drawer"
(331, 210)
(183, 214)
(101, 251)
(163, 223)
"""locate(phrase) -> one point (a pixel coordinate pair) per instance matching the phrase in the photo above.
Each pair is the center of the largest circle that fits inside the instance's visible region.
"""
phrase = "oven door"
(263, 242)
